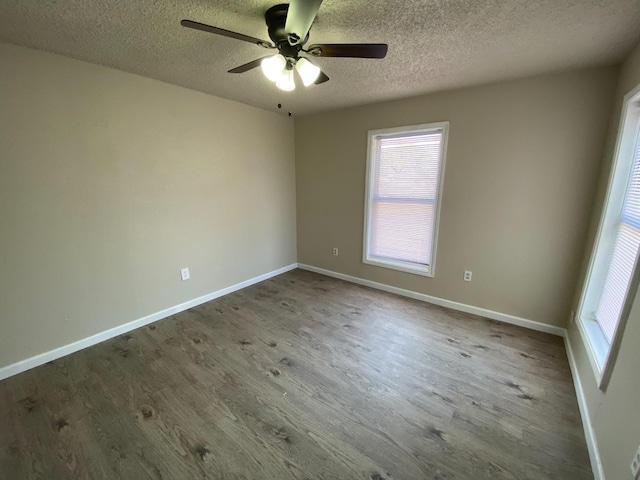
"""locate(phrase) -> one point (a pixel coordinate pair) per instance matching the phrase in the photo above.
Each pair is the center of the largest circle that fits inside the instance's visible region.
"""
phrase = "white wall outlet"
(184, 274)
(335, 251)
(635, 465)
(467, 275)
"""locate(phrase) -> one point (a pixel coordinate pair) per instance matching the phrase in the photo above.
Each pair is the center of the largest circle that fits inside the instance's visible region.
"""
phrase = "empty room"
(320, 239)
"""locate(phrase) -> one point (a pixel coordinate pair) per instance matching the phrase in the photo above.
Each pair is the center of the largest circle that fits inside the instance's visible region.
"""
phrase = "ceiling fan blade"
(247, 66)
(353, 50)
(225, 33)
(300, 16)
(321, 78)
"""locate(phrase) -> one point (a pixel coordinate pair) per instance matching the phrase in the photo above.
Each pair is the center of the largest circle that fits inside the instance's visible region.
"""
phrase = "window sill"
(596, 346)
(407, 267)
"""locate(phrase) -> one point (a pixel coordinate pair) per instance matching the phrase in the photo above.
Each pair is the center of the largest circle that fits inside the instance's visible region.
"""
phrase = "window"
(405, 168)
(613, 275)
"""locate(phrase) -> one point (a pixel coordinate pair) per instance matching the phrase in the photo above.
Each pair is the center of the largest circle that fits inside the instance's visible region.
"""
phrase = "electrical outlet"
(467, 275)
(184, 274)
(635, 465)
(335, 251)
(572, 318)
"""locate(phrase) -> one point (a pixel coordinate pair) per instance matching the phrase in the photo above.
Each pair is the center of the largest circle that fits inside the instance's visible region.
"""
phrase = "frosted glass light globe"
(272, 67)
(286, 81)
(308, 71)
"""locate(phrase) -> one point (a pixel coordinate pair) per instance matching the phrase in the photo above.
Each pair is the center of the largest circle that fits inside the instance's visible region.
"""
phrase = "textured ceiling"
(433, 44)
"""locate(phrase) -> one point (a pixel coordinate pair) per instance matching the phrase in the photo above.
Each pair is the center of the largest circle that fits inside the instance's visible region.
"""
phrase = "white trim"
(593, 342)
(23, 365)
(501, 317)
(589, 434)
(407, 267)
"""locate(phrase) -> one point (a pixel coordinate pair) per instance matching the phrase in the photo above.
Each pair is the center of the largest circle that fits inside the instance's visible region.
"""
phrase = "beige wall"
(523, 159)
(110, 183)
(614, 414)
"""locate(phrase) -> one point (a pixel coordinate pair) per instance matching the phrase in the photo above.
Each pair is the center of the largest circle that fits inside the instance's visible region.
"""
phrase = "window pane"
(631, 209)
(402, 231)
(405, 169)
(407, 165)
(623, 254)
(618, 277)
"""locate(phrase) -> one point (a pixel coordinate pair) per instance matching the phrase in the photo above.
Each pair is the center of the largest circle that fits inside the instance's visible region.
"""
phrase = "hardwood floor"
(301, 377)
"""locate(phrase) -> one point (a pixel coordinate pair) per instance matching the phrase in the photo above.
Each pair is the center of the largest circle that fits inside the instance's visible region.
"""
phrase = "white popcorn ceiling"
(433, 44)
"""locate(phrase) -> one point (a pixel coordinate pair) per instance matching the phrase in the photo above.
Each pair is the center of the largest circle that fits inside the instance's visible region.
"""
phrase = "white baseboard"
(501, 317)
(589, 434)
(592, 445)
(59, 352)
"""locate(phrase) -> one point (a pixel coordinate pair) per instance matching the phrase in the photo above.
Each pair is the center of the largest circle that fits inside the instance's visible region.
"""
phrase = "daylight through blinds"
(623, 256)
(405, 191)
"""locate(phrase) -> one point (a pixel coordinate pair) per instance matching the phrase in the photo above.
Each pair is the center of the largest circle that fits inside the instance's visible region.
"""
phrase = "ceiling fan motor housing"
(276, 18)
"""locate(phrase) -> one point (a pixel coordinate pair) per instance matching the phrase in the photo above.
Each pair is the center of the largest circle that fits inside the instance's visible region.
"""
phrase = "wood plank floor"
(301, 377)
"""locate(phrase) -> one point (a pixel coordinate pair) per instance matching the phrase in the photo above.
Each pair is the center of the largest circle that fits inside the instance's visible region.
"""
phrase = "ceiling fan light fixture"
(273, 67)
(288, 27)
(286, 81)
(309, 72)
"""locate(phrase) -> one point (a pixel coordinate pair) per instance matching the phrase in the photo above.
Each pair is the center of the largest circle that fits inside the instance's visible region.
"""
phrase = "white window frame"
(601, 354)
(402, 266)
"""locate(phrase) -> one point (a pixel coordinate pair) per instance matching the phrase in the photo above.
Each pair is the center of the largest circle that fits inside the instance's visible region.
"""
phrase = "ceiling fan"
(288, 27)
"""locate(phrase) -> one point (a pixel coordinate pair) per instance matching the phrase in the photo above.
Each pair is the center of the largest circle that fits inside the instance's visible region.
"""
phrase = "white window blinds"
(405, 171)
(623, 255)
